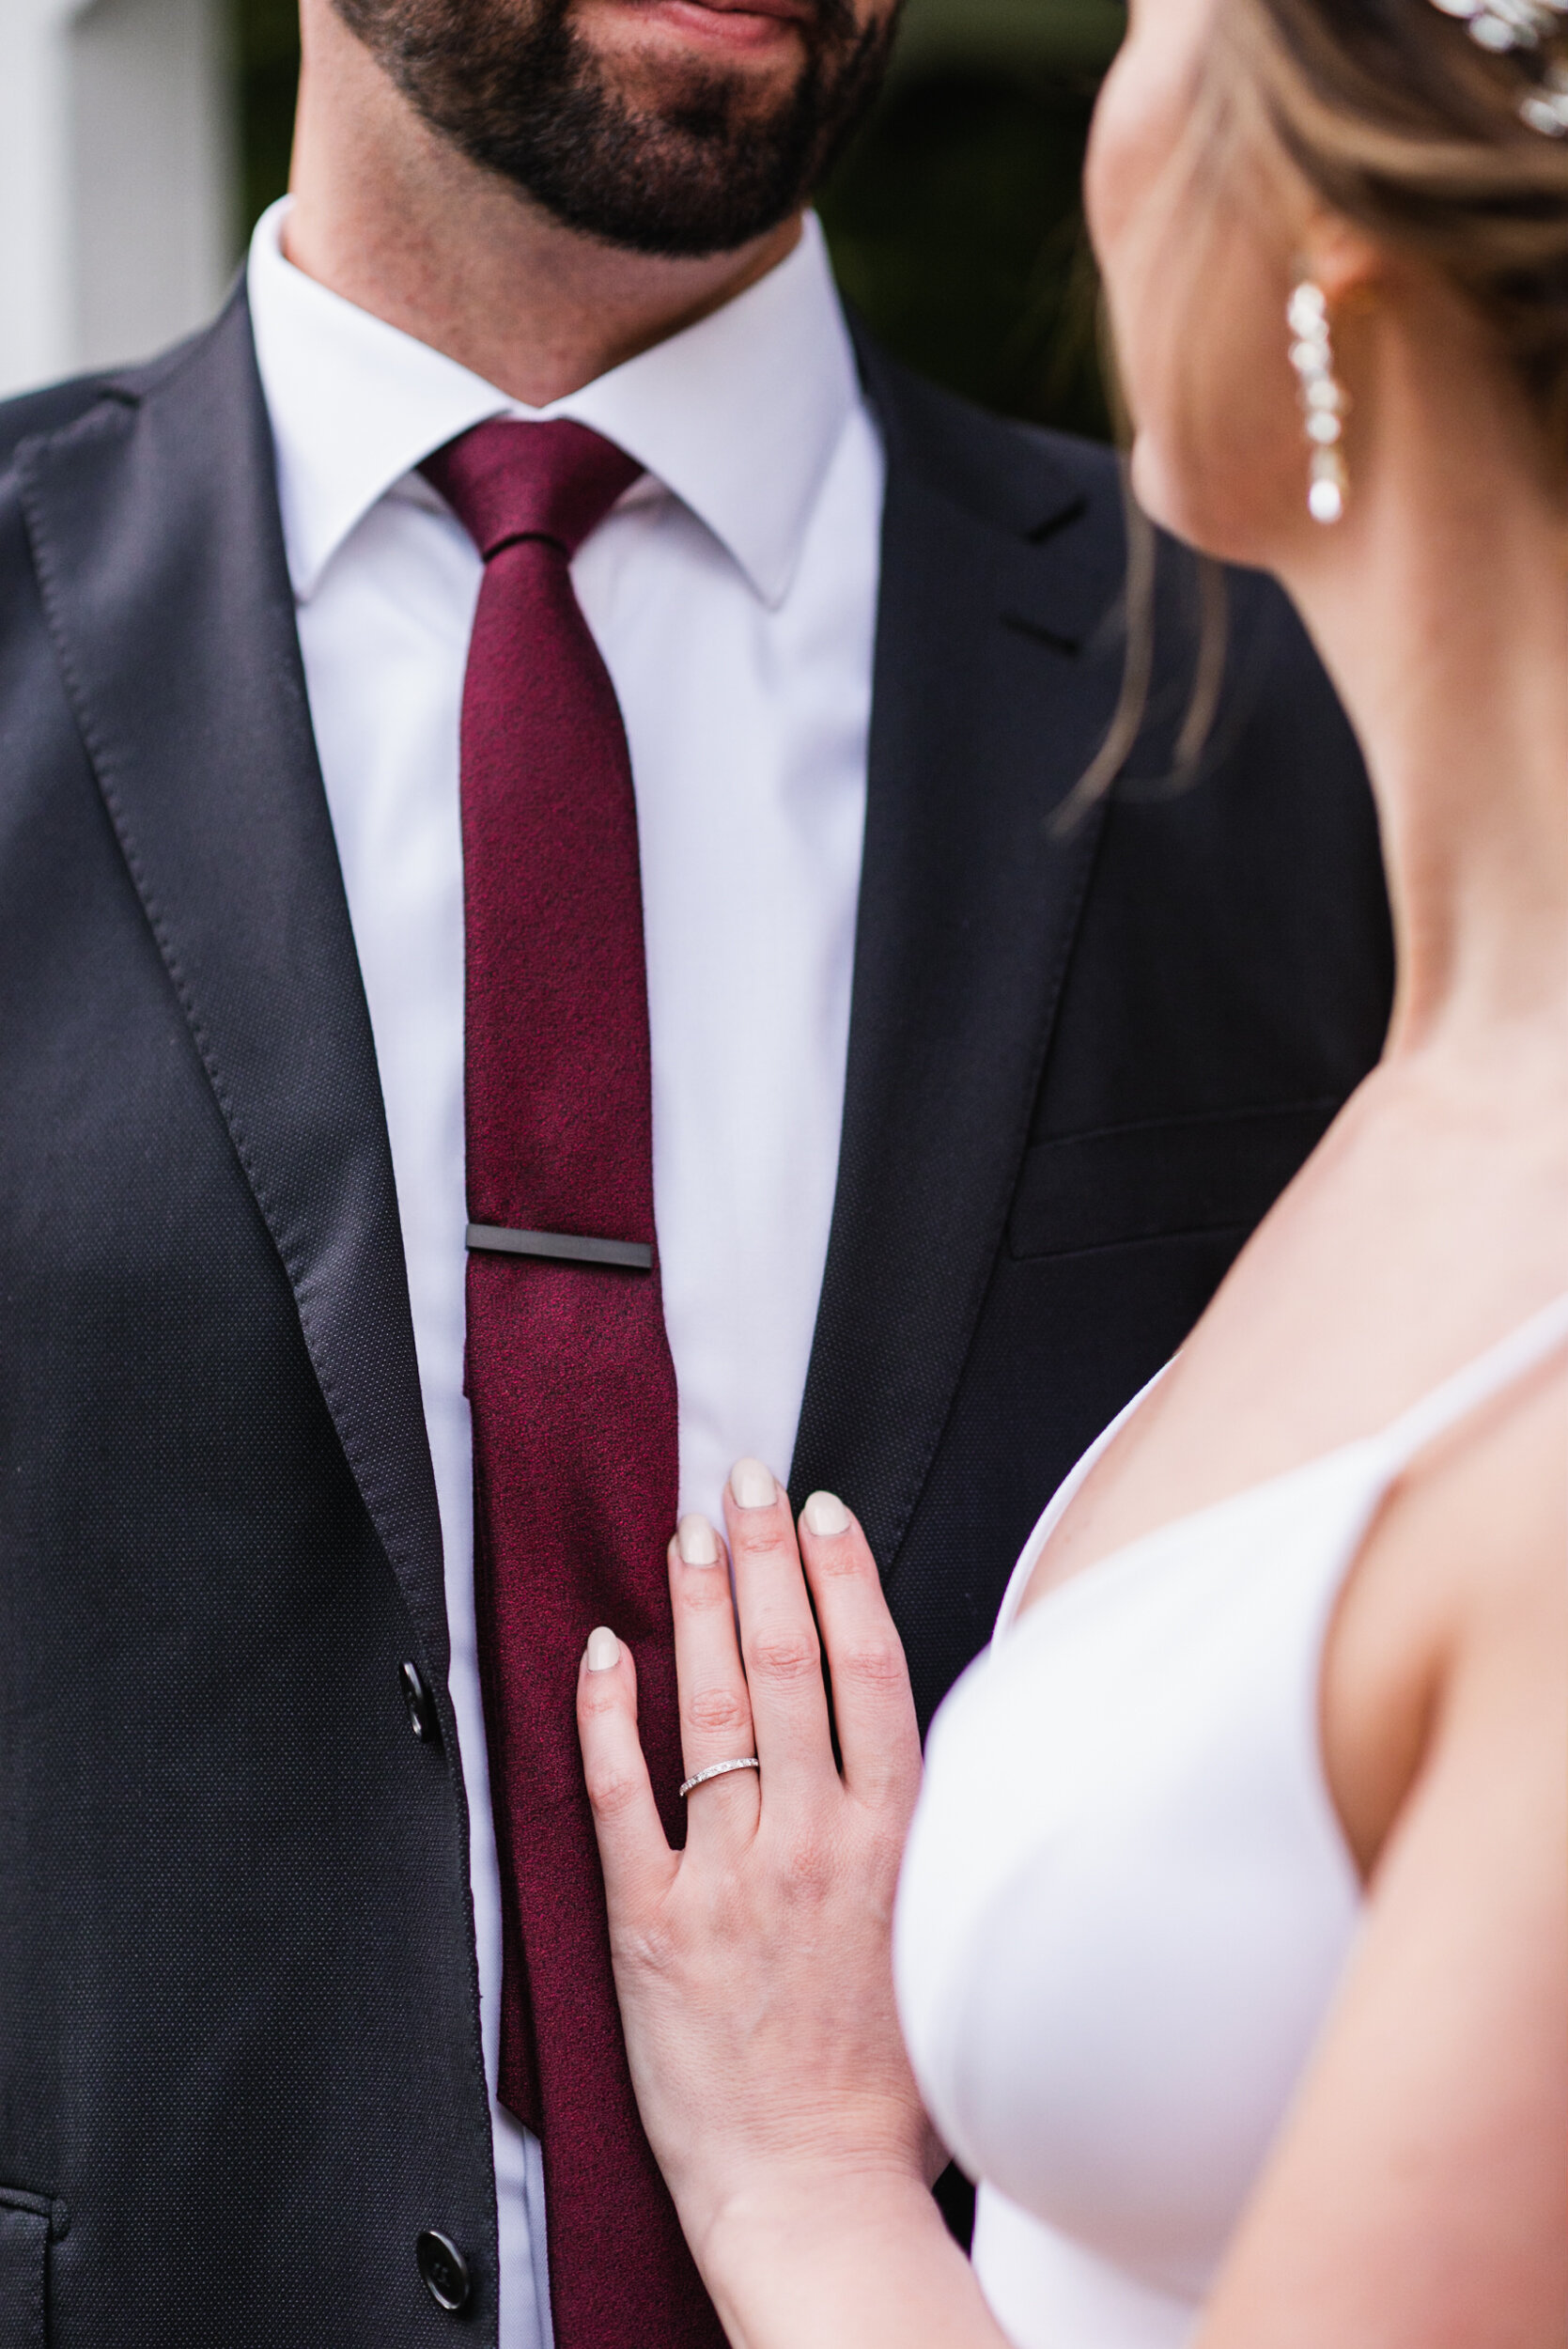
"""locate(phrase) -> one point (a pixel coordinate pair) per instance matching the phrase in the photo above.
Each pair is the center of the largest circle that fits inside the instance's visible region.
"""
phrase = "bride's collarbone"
(1332, 1321)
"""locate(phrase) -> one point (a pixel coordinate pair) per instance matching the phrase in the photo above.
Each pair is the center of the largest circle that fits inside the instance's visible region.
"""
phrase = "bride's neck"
(1441, 606)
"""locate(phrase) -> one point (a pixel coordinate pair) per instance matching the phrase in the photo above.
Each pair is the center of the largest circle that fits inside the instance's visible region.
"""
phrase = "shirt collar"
(738, 416)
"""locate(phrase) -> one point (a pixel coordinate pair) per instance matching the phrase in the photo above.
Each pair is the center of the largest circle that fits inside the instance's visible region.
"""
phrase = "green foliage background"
(954, 221)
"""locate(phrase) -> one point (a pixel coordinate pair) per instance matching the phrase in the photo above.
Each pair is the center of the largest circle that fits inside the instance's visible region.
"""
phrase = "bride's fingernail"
(697, 1542)
(604, 1650)
(825, 1515)
(753, 1486)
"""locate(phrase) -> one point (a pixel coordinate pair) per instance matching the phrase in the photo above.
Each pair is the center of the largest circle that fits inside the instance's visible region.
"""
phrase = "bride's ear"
(1350, 266)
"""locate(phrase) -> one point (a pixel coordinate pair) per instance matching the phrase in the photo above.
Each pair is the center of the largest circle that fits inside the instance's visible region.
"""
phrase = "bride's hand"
(753, 1967)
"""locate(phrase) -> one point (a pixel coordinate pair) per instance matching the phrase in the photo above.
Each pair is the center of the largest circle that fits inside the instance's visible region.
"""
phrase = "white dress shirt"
(733, 595)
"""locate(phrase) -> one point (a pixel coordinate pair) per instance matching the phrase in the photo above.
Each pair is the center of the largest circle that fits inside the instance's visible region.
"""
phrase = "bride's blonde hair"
(1395, 114)
(1403, 123)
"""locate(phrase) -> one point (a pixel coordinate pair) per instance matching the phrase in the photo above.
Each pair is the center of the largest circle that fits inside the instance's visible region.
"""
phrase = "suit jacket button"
(422, 1711)
(444, 2268)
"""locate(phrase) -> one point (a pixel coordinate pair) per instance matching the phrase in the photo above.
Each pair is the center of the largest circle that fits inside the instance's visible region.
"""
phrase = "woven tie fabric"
(569, 1373)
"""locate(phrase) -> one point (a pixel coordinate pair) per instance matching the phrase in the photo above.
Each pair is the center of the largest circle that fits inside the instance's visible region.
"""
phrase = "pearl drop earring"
(1323, 400)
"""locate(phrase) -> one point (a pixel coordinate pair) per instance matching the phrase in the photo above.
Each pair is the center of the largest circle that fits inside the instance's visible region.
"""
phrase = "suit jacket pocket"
(26, 2223)
(1218, 1171)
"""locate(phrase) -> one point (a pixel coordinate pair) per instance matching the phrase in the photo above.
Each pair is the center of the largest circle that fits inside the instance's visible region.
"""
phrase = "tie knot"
(506, 480)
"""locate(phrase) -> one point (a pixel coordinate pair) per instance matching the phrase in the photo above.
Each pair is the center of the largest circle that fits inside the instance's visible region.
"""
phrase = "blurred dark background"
(955, 221)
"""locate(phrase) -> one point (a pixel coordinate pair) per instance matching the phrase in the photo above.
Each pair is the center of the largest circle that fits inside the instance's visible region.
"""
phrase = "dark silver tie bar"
(566, 1247)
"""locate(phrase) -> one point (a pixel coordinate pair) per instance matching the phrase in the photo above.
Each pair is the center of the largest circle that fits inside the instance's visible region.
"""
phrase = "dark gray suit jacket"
(239, 2058)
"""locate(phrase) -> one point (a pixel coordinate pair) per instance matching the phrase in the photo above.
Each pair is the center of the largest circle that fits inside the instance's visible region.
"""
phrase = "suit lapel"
(155, 533)
(990, 696)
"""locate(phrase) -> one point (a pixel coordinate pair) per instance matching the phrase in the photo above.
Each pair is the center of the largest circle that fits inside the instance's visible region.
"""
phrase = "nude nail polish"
(604, 1650)
(826, 1516)
(697, 1542)
(752, 1484)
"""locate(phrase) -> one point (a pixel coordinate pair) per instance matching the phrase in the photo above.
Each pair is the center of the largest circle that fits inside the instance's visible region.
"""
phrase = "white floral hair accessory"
(1534, 32)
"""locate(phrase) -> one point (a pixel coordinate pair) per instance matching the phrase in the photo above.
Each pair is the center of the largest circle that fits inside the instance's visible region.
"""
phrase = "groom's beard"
(706, 167)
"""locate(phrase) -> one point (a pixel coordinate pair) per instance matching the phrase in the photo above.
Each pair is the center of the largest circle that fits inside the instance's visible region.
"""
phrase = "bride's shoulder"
(1450, 1642)
(1482, 1522)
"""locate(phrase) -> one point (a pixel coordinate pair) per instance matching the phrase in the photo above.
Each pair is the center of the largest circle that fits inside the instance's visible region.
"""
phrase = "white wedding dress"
(1126, 1900)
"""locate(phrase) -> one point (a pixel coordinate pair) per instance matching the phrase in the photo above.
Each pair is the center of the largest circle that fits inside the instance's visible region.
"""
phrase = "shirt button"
(422, 1711)
(444, 2268)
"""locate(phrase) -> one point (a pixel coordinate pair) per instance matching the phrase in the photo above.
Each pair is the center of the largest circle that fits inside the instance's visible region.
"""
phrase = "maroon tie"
(569, 1370)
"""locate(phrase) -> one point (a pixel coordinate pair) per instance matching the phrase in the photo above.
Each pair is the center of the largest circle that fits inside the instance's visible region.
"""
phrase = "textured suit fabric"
(569, 1378)
(1188, 983)
(25, 2225)
(239, 2036)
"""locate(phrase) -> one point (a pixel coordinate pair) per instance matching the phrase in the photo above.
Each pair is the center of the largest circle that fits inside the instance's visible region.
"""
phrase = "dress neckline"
(1393, 1446)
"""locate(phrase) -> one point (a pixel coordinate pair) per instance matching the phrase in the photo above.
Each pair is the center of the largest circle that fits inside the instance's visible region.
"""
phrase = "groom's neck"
(392, 217)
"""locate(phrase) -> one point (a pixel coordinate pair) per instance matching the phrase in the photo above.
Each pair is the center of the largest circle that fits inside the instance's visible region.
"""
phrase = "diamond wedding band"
(720, 1769)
